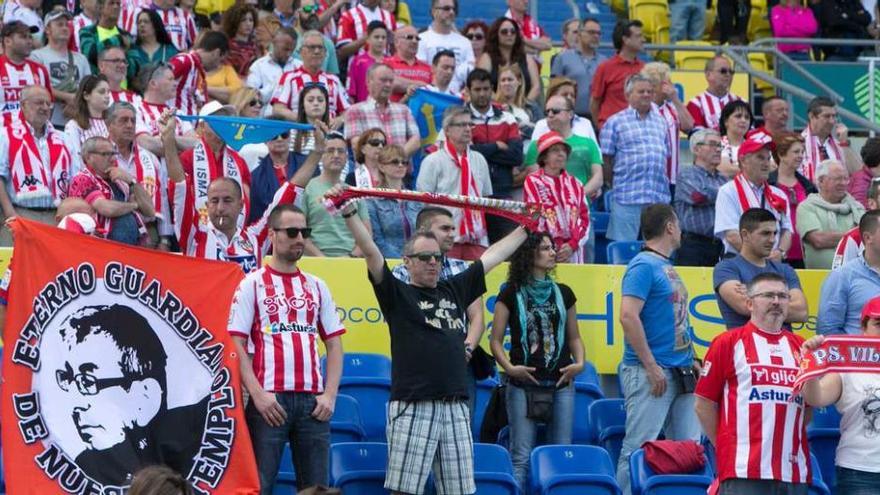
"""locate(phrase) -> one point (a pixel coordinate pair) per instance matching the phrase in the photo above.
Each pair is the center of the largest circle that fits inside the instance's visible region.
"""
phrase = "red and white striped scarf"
(670, 116)
(144, 167)
(812, 157)
(31, 178)
(564, 196)
(840, 354)
(748, 198)
(78, 23)
(711, 106)
(472, 226)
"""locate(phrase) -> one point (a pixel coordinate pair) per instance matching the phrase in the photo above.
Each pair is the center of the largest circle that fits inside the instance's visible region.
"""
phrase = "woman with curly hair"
(546, 351)
(152, 45)
(238, 24)
(86, 112)
(505, 46)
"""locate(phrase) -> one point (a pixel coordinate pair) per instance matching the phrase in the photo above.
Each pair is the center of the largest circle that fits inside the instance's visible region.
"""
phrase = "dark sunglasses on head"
(293, 232)
(474, 36)
(376, 142)
(426, 256)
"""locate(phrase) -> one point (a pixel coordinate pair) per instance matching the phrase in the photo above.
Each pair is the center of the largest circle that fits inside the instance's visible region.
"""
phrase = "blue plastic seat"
(644, 481)
(372, 394)
(484, 393)
(587, 390)
(621, 252)
(607, 197)
(819, 485)
(285, 482)
(599, 222)
(572, 469)
(359, 467)
(346, 425)
(493, 470)
(608, 420)
(363, 364)
(823, 435)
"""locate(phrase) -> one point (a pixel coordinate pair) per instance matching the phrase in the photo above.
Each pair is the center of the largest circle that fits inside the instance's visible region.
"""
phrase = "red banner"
(840, 354)
(118, 358)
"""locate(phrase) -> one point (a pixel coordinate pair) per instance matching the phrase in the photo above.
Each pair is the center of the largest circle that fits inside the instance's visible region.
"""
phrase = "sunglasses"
(474, 36)
(376, 143)
(294, 232)
(255, 103)
(446, 8)
(410, 37)
(554, 111)
(397, 163)
(283, 135)
(426, 256)
(725, 72)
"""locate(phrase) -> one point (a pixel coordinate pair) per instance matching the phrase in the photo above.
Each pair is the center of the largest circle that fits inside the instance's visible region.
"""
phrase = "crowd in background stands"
(90, 123)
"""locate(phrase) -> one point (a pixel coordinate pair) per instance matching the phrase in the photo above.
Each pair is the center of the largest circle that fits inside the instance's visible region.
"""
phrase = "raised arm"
(307, 170)
(167, 126)
(501, 250)
(364, 240)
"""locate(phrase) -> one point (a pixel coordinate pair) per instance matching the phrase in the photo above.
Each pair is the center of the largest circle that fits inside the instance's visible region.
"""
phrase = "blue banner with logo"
(427, 107)
(239, 131)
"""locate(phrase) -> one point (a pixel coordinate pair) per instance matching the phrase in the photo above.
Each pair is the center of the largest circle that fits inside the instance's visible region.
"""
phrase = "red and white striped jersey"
(705, 108)
(77, 24)
(354, 21)
(180, 24)
(673, 128)
(192, 87)
(15, 77)
(815, 151)
(126, 96)
(292, 83)
(128, 12)
(200, 239)
(148, 119)
(849, 248)
(527, 26)
(282, 315)
(761, 433)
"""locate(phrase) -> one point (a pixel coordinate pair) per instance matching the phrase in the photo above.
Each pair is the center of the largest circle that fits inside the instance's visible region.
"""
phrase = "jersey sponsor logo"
(772, 395)
(12, 94)
(276, 328)
(773, 375)
(704, 371)
(248, 263)
(278, 303)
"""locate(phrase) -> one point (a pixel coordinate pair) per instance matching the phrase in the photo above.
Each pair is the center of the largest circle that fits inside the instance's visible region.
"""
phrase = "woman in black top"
(546, 351)
(504, 47)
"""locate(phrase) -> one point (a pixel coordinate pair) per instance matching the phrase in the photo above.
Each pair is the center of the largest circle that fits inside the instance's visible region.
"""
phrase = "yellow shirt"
(224, 77)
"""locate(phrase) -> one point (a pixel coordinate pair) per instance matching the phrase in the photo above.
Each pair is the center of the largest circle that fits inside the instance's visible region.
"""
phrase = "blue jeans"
(853, 482)
(688, 19)
(624, 222)
(647, 415)
(524, 430)
(309, 442)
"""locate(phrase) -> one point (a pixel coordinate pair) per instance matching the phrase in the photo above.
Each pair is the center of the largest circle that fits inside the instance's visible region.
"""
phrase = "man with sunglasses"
(264, 73)
(280, 312)
(442, 35)
(212, 231)
(114, 382)
(428, 420)
(409, 71)
(706, 107)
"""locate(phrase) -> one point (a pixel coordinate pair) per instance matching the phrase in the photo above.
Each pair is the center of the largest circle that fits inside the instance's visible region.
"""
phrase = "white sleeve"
(72, 134)
(241, 314)
(330, 326)
(726, 211)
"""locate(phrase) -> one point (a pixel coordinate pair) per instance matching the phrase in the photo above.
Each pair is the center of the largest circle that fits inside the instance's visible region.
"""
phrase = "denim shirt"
(390, 231)
(844, 294)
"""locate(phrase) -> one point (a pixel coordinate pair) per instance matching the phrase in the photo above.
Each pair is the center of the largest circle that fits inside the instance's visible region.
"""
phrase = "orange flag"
(118, 358)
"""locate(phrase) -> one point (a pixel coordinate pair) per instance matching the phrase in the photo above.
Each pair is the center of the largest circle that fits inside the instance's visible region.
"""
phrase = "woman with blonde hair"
(393, 220)
(247, 102)
(673, 111)
(510, 94)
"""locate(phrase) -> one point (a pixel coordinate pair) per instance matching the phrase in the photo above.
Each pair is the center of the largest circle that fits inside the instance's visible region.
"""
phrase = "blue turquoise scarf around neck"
(539, 292)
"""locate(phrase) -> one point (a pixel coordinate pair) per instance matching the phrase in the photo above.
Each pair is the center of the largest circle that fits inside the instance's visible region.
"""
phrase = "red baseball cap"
(549, 139)
(755, 141)
(871, 309)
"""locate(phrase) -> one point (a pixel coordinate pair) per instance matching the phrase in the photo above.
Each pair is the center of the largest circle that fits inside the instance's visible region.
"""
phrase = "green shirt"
(329, 232)
(812, 216)
(584, 154)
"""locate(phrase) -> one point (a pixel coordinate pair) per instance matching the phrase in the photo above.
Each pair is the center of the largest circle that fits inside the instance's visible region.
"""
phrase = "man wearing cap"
(66, 68)
(847, 289)
(33, 181)
(17, 71)
(26, 12)
(458, 169)
(212, 229)
(745, 401)
(749, 189)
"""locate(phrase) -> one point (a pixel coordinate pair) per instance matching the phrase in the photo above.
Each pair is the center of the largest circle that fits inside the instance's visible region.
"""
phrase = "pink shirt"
(357, 77)
(859, 184)
(793, 22)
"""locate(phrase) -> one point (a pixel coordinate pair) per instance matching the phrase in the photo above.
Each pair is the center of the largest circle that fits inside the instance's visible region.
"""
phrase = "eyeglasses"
(445, 8)
(713, 144)
(506, 31)
(283, 135)
(410, 37)
(461, 124)
(308, 9)
(376, 143)
(116, 61)
(554, 111)
(105, 154)
(294, 232)
(475, 36)
(397, 163)
(255, 103)
(725, 71)
(426, 256)
(593, 32)
(314, 48)
(86, 383)
(782, 296)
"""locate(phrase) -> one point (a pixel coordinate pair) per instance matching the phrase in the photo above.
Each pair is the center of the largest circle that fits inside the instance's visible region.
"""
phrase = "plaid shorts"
(430, 435)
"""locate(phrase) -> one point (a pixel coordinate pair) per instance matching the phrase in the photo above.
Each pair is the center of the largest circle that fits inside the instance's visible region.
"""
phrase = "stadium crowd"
(93, 91)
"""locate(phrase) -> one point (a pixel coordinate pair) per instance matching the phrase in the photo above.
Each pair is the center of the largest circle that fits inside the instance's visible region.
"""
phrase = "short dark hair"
(441, 54)
(426, 216)
(654, 220)
(623, 29)
(871, 152)
(214, 40)
(478, 75)
(817, 103)
(766, 277)
(731, 109)
(279, 210)
(869, 222)
(374, 25)
(752, 218)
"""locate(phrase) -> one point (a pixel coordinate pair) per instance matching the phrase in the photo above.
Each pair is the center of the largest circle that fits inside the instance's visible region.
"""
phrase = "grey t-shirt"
(64, 75)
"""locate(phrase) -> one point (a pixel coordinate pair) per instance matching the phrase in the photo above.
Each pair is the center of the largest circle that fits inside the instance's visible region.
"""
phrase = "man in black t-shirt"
(428, 420)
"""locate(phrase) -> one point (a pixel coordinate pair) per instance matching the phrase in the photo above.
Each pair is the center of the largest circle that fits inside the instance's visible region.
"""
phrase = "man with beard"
(280, 312)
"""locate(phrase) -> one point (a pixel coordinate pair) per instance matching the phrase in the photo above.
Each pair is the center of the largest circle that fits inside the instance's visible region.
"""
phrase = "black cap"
(13, 27)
